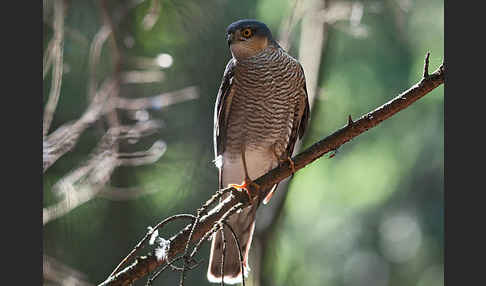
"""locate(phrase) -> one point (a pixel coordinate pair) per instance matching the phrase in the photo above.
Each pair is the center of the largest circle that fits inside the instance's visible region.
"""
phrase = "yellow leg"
(292, 165)
(248, 181)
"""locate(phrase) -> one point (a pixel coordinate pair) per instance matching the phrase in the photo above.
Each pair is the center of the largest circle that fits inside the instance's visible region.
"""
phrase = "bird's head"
(247, 38)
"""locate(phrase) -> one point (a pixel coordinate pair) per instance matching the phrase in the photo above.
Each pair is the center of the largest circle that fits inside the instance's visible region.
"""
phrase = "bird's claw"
(246, 186)
(292, 165)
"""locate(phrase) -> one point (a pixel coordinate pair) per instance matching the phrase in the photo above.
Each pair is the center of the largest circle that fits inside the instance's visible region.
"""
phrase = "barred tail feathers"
(243, 224)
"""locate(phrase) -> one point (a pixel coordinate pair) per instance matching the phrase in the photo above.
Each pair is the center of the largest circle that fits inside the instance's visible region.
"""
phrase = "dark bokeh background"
(372, 215)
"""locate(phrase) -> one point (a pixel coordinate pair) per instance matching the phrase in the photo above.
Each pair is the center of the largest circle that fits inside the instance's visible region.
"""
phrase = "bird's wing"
(301, 118)
(300, 122)
(304, 121)
(221, 110)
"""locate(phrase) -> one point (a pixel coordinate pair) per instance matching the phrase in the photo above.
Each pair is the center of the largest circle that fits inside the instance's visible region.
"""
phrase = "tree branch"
(63, 139)
(55, 55)
(88, 180)
(143, 265)
(157, 101)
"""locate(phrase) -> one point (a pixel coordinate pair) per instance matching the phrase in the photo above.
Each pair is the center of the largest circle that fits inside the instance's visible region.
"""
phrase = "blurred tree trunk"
(312, 45)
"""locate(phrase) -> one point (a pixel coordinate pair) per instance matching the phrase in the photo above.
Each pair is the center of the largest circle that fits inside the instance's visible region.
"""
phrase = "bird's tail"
(243, 224)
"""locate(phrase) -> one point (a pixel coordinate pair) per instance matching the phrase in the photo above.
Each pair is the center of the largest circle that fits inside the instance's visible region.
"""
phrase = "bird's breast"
(265, 93)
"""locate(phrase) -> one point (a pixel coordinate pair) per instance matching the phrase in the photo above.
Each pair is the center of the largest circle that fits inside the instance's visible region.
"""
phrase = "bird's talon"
(246, 186)
(292, 165)
(238, 187)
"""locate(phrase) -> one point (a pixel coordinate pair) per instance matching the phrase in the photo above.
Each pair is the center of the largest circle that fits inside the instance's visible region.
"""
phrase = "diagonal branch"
(143, 265)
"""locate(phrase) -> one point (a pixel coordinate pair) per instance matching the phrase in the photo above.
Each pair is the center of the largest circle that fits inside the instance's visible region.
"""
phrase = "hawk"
(261, 109)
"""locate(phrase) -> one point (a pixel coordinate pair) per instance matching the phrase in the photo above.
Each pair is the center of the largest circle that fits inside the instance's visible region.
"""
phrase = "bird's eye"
(247, 33)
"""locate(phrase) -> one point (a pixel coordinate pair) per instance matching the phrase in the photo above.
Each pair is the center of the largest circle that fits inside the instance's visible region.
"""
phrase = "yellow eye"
(247, 33)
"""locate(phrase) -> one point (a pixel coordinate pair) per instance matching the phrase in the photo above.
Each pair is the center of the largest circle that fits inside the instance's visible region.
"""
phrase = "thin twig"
(215, 197)
(116, 61)
(171, 264)
(85, 182)
(48, 55)
(239, 251)
(158, 101)
(57, 54)
(142, 76)
(147, 236)
(196, 221)
(82, 184)
(72, 33)
(223, 253)
(426, 66)
(150, 280)
(152, 16)
(150, 156)
(229, 212)
(94, 55)
(64, 138)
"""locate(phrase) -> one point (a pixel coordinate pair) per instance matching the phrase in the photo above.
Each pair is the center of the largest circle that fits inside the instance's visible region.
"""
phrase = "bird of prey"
(261, 109)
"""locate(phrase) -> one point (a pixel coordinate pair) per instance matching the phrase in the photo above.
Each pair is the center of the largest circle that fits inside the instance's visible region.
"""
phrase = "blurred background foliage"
(371, 215)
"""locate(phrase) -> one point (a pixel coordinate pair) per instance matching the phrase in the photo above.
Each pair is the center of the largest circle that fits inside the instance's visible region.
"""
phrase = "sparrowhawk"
(261, 109)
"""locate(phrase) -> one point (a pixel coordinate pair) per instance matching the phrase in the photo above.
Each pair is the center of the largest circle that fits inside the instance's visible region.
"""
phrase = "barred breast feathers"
(267, 89)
